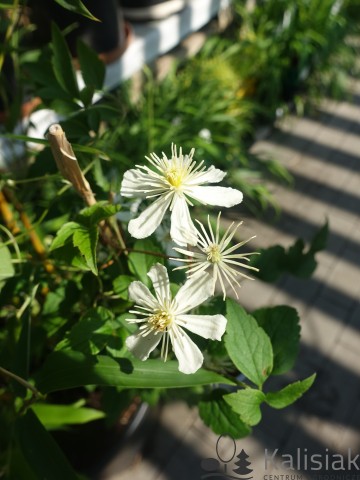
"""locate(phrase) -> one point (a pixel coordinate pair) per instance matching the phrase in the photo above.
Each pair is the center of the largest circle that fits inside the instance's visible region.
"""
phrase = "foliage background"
(64, 280)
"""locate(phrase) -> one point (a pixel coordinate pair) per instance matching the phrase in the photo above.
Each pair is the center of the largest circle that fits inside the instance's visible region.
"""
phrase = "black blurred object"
(108, 37)
(142, 10)
(7, 85)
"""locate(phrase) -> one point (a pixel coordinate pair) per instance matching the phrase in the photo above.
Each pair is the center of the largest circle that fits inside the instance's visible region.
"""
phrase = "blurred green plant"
(282, 44)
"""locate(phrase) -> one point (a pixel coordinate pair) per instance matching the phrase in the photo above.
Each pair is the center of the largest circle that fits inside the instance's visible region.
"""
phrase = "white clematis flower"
(163, 319)
(172, 184)
(215, 254)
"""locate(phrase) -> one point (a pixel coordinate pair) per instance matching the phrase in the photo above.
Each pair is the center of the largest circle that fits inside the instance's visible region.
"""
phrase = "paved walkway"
(323, 155)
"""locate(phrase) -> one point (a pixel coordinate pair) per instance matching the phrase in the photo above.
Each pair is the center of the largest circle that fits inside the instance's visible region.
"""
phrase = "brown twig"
(7, 215)
(39, 248)
(67, 163)
(69, 167)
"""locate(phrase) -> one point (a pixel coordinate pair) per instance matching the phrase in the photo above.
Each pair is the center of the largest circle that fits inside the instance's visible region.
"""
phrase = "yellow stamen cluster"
(175, 176)
(160, 320)
(213, 253)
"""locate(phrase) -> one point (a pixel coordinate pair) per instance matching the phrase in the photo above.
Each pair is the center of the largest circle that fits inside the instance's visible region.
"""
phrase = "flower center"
(175, 175)
(160, 320)
(213, 253)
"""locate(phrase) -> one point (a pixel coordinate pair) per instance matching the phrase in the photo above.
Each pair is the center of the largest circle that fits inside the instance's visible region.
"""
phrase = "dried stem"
(67, 163)
(7, 215)
(11, 224)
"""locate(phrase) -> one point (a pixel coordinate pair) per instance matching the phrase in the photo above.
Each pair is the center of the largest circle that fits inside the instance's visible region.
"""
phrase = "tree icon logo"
(222, 467)
(243, 465)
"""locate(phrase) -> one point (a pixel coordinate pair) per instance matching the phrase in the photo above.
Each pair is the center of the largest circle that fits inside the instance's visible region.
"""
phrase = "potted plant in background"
(145, 10)
(100, 25)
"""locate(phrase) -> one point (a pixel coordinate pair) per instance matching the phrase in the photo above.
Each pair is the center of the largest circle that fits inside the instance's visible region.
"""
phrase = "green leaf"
(77, 6)
(281, 323)
(298, 262)
(22, 354)
(90, 150)
(121, 286)
(247, 404)
(41, 451)
(220, 417)
(58, 416)
(70, 255)
(61, 62)
(290, 393)
(76, 147)
(24, 138)
(86, 239)
(92, 68)
(269, 263)
(63, 235)
(93, 215)
(66, 369)
(247, 344)
(140, 263)
(86, 96)
(6, 267)
(19, 468)
(320, 239)
(83, 238)
(92, 333)
(275, 261)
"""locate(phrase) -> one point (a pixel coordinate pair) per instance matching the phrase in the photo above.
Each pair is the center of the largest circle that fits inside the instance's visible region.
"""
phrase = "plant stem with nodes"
(20, 380)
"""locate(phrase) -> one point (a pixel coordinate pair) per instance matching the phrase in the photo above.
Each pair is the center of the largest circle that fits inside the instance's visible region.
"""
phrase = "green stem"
(146, 252)
(11, 182)
(241, 384)
(20, 380)
(11, 27)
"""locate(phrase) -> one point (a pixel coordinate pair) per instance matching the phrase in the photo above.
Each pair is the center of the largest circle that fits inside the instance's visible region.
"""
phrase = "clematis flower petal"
(160, 281)
(141, 295)
(195, 291)
(163, 319)
(207, 326)
(187, 352)
(132, 184)
(174, 182)
(214, 254)
(212, 175)
(220, 196)
(183, 230)
(148, 221)
(141, 346)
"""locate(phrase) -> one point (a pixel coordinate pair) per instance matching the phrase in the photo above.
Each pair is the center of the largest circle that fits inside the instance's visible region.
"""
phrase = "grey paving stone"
(287, 154)
(175, 421)
(302, 127)
(350, 434)
(350, 336)
(347, 278)
(255, 294)
(323, 325)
